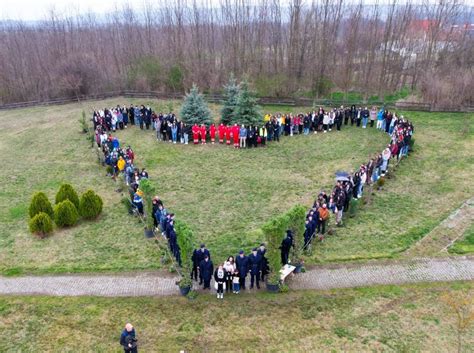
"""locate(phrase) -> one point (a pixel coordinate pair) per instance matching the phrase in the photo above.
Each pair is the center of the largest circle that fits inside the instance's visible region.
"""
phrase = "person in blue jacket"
(206, 269)
(255, 264)
(380, 118)
(242, 264)
(128, 339)
(137, 116)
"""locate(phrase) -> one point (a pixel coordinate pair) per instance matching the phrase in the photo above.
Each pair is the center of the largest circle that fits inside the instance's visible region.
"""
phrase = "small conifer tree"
(40, 203)
(41, 224)
(65, 214)
(90, 205)
(67, 192)
(195, 109)
(246, 111)
(231, 93)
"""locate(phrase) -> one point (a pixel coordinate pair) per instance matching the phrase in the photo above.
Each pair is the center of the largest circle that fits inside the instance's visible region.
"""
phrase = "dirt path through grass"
(319, 278)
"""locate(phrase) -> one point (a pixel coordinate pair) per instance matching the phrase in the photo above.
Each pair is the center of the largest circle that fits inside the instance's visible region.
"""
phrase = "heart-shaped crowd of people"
(120, 164)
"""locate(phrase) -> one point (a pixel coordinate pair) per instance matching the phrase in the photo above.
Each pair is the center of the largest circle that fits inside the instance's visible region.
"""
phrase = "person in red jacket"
(235, 133)
(195, 131)
(228, 132)
(221, 131)
(203, 134)
(212, 131)
(130, 154)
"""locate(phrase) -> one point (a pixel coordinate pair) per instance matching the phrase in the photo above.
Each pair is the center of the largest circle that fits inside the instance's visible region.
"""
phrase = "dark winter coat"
(128, 337)
(255, 263)
(206, 268)
(242, 264)
(199, 255)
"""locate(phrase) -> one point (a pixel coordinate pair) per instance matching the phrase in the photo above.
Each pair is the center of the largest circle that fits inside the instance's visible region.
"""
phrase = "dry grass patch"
(225, 195)
(392, 319)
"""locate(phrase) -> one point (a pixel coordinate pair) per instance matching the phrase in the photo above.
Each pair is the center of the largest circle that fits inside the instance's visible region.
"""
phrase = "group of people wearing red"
(223, 133)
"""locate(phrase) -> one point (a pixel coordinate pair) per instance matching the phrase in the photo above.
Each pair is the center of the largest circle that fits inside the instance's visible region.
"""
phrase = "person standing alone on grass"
(128, 339)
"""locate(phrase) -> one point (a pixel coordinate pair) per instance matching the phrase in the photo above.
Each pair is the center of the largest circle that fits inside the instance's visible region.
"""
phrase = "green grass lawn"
(388, 319)
(465, 244)
(225, 195)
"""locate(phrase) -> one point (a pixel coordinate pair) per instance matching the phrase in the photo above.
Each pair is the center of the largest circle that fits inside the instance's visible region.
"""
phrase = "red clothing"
(195, 131)
(212, 131)
(131, 155)
(235, 133)
(394, 149)
(228, 131)
(203, 133)
(221, 131)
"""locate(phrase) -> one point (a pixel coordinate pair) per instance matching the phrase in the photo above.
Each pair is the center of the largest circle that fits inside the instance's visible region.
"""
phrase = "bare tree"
(297, 47)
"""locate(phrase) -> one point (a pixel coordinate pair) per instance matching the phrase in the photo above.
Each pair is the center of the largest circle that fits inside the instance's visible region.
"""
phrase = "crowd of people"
(120, 162)
(169, 128)
(232, 274)
(351, 186)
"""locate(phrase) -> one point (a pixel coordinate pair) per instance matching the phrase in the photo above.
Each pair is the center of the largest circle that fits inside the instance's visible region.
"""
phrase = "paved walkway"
(389, 272)
(133, 285)
(324, 277)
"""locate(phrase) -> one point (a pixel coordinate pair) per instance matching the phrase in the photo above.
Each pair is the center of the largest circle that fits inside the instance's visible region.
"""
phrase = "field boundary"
(217, 98)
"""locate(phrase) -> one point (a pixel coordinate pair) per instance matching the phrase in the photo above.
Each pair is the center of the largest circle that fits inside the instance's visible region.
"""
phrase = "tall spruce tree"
(247, 111)
(231, 92)
(195, 109)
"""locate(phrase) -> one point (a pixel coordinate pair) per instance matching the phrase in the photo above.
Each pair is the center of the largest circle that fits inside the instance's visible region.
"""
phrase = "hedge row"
(275, 229)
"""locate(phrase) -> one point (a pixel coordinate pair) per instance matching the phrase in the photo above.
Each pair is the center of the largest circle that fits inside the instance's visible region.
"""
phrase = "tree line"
(297, 48)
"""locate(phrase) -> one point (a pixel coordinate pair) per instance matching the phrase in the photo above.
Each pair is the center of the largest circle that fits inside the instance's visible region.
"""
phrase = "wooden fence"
(216, 98)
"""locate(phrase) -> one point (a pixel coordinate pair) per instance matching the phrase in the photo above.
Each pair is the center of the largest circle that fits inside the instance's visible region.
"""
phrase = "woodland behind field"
(285, 49)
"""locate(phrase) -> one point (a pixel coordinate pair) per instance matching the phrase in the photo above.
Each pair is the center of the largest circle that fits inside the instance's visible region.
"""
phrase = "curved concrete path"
(319, 278)
(388, 272)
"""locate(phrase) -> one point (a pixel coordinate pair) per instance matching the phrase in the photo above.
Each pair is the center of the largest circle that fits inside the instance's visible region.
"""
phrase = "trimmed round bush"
(40, 203)
(90, 205)
(67, 192)
(65, 214)
(41, 224)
